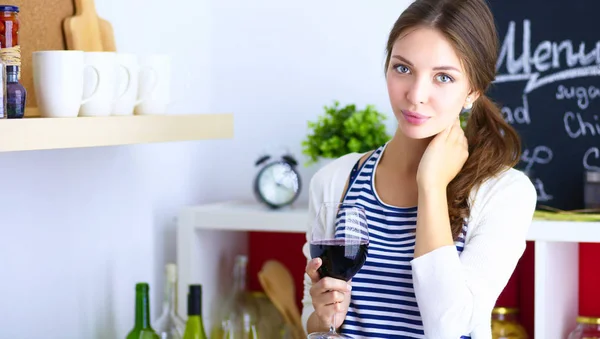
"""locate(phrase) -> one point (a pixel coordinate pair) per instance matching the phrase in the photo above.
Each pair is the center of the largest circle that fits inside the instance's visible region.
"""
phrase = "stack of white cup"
(91, 84)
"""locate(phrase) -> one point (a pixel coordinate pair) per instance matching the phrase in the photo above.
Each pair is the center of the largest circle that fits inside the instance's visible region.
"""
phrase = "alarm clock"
(278, 183)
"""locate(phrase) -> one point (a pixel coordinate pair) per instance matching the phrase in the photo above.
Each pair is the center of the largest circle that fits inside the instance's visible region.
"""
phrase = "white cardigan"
(455, 293)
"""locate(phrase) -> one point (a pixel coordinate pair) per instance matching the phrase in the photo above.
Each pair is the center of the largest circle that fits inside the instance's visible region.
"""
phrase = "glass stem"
(332, 326)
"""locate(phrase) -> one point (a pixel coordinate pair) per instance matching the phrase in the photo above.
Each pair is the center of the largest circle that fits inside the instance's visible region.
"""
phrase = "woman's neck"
(404, 154)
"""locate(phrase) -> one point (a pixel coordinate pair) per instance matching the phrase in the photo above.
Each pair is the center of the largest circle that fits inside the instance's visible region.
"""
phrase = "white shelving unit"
(201, 227)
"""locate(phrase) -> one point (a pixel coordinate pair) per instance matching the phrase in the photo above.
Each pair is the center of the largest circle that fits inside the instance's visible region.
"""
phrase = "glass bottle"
(194, 328)
(587, 328)
(241, 310)
(3, 83)
(16, 95)
(505, 324)
(142, 328)
(169, 324)
(270, 322)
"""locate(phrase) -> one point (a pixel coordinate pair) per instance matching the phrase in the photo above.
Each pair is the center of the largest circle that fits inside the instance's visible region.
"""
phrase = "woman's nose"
(418, 92)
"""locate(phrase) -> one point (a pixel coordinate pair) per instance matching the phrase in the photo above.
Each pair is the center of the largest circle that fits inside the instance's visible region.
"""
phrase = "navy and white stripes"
(383, 303)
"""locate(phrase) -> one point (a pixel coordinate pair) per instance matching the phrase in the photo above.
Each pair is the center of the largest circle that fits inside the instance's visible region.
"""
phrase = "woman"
(435, 273)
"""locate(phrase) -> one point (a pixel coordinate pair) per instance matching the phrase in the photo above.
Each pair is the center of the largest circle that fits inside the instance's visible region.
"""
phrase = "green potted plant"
(343, 130)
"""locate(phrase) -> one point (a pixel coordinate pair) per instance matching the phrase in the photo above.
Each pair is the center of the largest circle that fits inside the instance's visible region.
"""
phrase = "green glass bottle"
(194, 328)
(142, 328)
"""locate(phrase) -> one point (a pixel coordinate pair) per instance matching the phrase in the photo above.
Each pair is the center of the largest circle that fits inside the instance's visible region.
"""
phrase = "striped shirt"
(383, 303)
(455, 290)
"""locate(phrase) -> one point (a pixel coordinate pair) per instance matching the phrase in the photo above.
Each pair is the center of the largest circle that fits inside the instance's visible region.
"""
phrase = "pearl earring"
(469, 104)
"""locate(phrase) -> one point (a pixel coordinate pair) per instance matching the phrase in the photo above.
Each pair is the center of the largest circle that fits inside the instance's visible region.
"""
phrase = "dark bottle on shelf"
(16, 94)
(194, 328)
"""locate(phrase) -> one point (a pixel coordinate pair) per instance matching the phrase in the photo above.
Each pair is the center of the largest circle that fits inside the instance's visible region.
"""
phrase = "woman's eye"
(402, 69)
(444, 78)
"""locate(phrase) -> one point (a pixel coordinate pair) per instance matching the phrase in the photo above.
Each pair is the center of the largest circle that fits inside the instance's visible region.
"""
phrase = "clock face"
(278, 184)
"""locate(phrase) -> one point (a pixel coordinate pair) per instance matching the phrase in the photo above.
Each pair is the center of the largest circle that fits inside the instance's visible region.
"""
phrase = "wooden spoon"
(278, 284)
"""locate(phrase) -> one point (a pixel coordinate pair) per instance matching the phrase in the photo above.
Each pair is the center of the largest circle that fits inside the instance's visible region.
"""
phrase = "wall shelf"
(55, 133)
(246, 216)
(250, 216)
(556, 253)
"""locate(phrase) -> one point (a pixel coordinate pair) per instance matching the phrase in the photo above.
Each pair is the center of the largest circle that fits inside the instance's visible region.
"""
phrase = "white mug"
(154, 86)
(105, 79)
(58, 78)
(127, 84)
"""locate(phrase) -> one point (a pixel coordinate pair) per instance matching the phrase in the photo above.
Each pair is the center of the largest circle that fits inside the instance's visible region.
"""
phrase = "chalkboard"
(548, 85)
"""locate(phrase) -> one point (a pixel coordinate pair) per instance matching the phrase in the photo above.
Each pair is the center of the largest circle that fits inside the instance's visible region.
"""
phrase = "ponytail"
(494, 145)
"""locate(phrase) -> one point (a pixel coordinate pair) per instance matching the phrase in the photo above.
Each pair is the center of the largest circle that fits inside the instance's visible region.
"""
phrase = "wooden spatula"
(83, 30)
(278, 284)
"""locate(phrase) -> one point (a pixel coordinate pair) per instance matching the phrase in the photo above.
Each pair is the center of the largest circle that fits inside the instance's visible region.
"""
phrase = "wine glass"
(340, 237)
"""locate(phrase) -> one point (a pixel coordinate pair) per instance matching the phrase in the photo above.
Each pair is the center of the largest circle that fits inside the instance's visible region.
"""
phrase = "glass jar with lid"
(587, 328)
(505, 324)
(10, 49)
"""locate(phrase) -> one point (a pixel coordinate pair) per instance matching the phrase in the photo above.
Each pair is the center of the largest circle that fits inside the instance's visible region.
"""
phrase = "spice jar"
(10, 50)
(505, 324)
(591, 189)
(587, 328)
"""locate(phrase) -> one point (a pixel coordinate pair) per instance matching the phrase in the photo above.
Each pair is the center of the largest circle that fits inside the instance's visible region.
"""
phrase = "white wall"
(79, 227)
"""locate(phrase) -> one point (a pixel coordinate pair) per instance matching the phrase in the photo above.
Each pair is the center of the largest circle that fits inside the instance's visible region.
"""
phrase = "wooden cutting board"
(40, 29)
(86, 31)
(107, 35)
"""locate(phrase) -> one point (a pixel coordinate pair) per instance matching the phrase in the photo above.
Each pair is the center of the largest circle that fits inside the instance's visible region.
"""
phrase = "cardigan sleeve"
(314, 200)
(456, 293)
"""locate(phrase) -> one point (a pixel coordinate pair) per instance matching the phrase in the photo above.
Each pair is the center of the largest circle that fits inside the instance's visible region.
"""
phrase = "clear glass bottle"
(241, 310)
(169, 324)
(505, 324)
(587, 328)
(270, 323)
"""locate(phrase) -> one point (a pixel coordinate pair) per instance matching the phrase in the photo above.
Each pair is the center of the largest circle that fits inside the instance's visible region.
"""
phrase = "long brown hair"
(493, 144)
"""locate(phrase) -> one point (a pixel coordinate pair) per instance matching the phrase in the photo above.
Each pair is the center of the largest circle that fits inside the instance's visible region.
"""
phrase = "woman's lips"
(414, 118)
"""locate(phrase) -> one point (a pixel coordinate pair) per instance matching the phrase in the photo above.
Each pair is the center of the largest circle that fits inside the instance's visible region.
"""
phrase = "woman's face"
(427, 84)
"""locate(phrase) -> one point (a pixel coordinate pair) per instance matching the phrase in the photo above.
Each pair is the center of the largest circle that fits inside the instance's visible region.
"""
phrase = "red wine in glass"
(341, 259)
(340, 237)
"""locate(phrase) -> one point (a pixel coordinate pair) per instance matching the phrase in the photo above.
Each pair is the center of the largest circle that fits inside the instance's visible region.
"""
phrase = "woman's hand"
(329, 296)
(444, 157)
